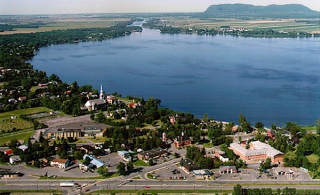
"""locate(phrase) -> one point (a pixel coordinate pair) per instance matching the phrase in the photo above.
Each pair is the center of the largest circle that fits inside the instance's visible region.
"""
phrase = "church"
(96, 104)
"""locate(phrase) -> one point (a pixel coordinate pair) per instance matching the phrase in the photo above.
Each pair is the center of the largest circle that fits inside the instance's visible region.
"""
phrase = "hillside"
(270, 11)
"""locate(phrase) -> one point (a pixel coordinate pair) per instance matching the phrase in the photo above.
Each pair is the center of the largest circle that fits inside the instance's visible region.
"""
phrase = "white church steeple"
(101, 93)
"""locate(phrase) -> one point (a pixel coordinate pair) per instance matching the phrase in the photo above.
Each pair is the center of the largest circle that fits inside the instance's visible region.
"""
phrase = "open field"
(287, 25)
(11, 119)
(63, 23)
(20, 136)
(78, 21)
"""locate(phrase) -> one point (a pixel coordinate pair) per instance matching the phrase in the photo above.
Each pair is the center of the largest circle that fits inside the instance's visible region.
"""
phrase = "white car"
(84, 185)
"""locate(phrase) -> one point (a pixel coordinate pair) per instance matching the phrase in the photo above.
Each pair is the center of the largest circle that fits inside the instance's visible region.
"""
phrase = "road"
(122, 183)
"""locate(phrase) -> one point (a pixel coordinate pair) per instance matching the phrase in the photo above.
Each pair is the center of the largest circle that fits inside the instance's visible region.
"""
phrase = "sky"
(16, 7)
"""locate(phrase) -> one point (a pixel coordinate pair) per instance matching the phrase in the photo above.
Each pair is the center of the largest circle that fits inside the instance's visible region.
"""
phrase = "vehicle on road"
(66, 184)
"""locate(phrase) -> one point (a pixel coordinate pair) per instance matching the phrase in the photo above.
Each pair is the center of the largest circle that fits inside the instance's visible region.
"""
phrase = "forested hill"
(270, 11)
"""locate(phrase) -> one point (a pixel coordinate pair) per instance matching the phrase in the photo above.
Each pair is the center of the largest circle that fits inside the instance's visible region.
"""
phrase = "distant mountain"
(270, 11)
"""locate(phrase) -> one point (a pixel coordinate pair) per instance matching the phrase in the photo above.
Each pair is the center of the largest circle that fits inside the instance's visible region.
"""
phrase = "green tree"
(205, 118)
(318, 126)
(244, 123)
(237, 190)
(258, 125)
(78, 155)
(87, 160)
(150, 162)
(121, 167)
(103, 171)
(130, 167)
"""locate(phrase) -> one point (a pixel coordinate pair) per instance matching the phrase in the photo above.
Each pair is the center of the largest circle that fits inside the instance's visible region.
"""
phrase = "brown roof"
(59, 160)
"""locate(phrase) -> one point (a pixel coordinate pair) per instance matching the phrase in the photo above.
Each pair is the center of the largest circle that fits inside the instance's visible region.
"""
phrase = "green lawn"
(207, 145)
(313, 158)
(140, 163)
(18, 135)
(309, 128)
(6, 123)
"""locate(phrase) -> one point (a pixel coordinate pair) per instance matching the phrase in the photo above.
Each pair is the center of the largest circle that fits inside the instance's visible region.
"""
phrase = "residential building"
(14, 159)
(271, 134)
(221, 155)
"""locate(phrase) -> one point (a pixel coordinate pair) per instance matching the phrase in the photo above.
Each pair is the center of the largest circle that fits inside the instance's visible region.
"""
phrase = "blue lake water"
(269, 80)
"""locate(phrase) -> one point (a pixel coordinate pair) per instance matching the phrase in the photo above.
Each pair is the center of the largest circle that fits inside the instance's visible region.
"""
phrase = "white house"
(14, 159)
(60, 163)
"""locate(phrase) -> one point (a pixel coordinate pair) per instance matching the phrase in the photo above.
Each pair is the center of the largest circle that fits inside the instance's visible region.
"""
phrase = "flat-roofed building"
(62, 132)
(257, 151)
(151, 154)
(92, 131)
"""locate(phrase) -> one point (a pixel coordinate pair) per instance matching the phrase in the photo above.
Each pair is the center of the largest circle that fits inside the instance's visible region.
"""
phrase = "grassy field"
(207, 145)
(287, 25)
(313, 158)
(21, 136)
(140, 163)
(310, 128)
(6, 123)
(66, 23)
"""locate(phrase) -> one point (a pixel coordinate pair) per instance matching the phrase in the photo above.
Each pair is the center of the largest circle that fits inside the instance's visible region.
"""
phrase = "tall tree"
(318, 126)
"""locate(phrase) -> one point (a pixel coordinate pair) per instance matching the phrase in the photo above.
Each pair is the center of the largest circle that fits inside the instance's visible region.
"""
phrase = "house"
(87, 148)
(271, 134)
(152, 154)
(221, 155)
(43, 85)
(182, 141)
(95, 104)
(22, 98)
(14, 159)
(258, 151)
(111, 99)
(125, 155)
(96, 162)
(12, 100)
(7, 152)
(23, 147)
(60, 163)
(228, 169)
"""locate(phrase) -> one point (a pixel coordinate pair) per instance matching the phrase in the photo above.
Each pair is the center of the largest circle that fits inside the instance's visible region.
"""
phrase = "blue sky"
(127, 6)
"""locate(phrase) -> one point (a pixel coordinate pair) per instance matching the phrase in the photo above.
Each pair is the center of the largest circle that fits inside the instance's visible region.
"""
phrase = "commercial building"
(152, 154)
(258, 151)
(61, 163)
(96, 162)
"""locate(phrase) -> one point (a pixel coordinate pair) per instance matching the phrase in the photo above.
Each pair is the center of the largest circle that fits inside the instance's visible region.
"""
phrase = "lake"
(272, 80)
